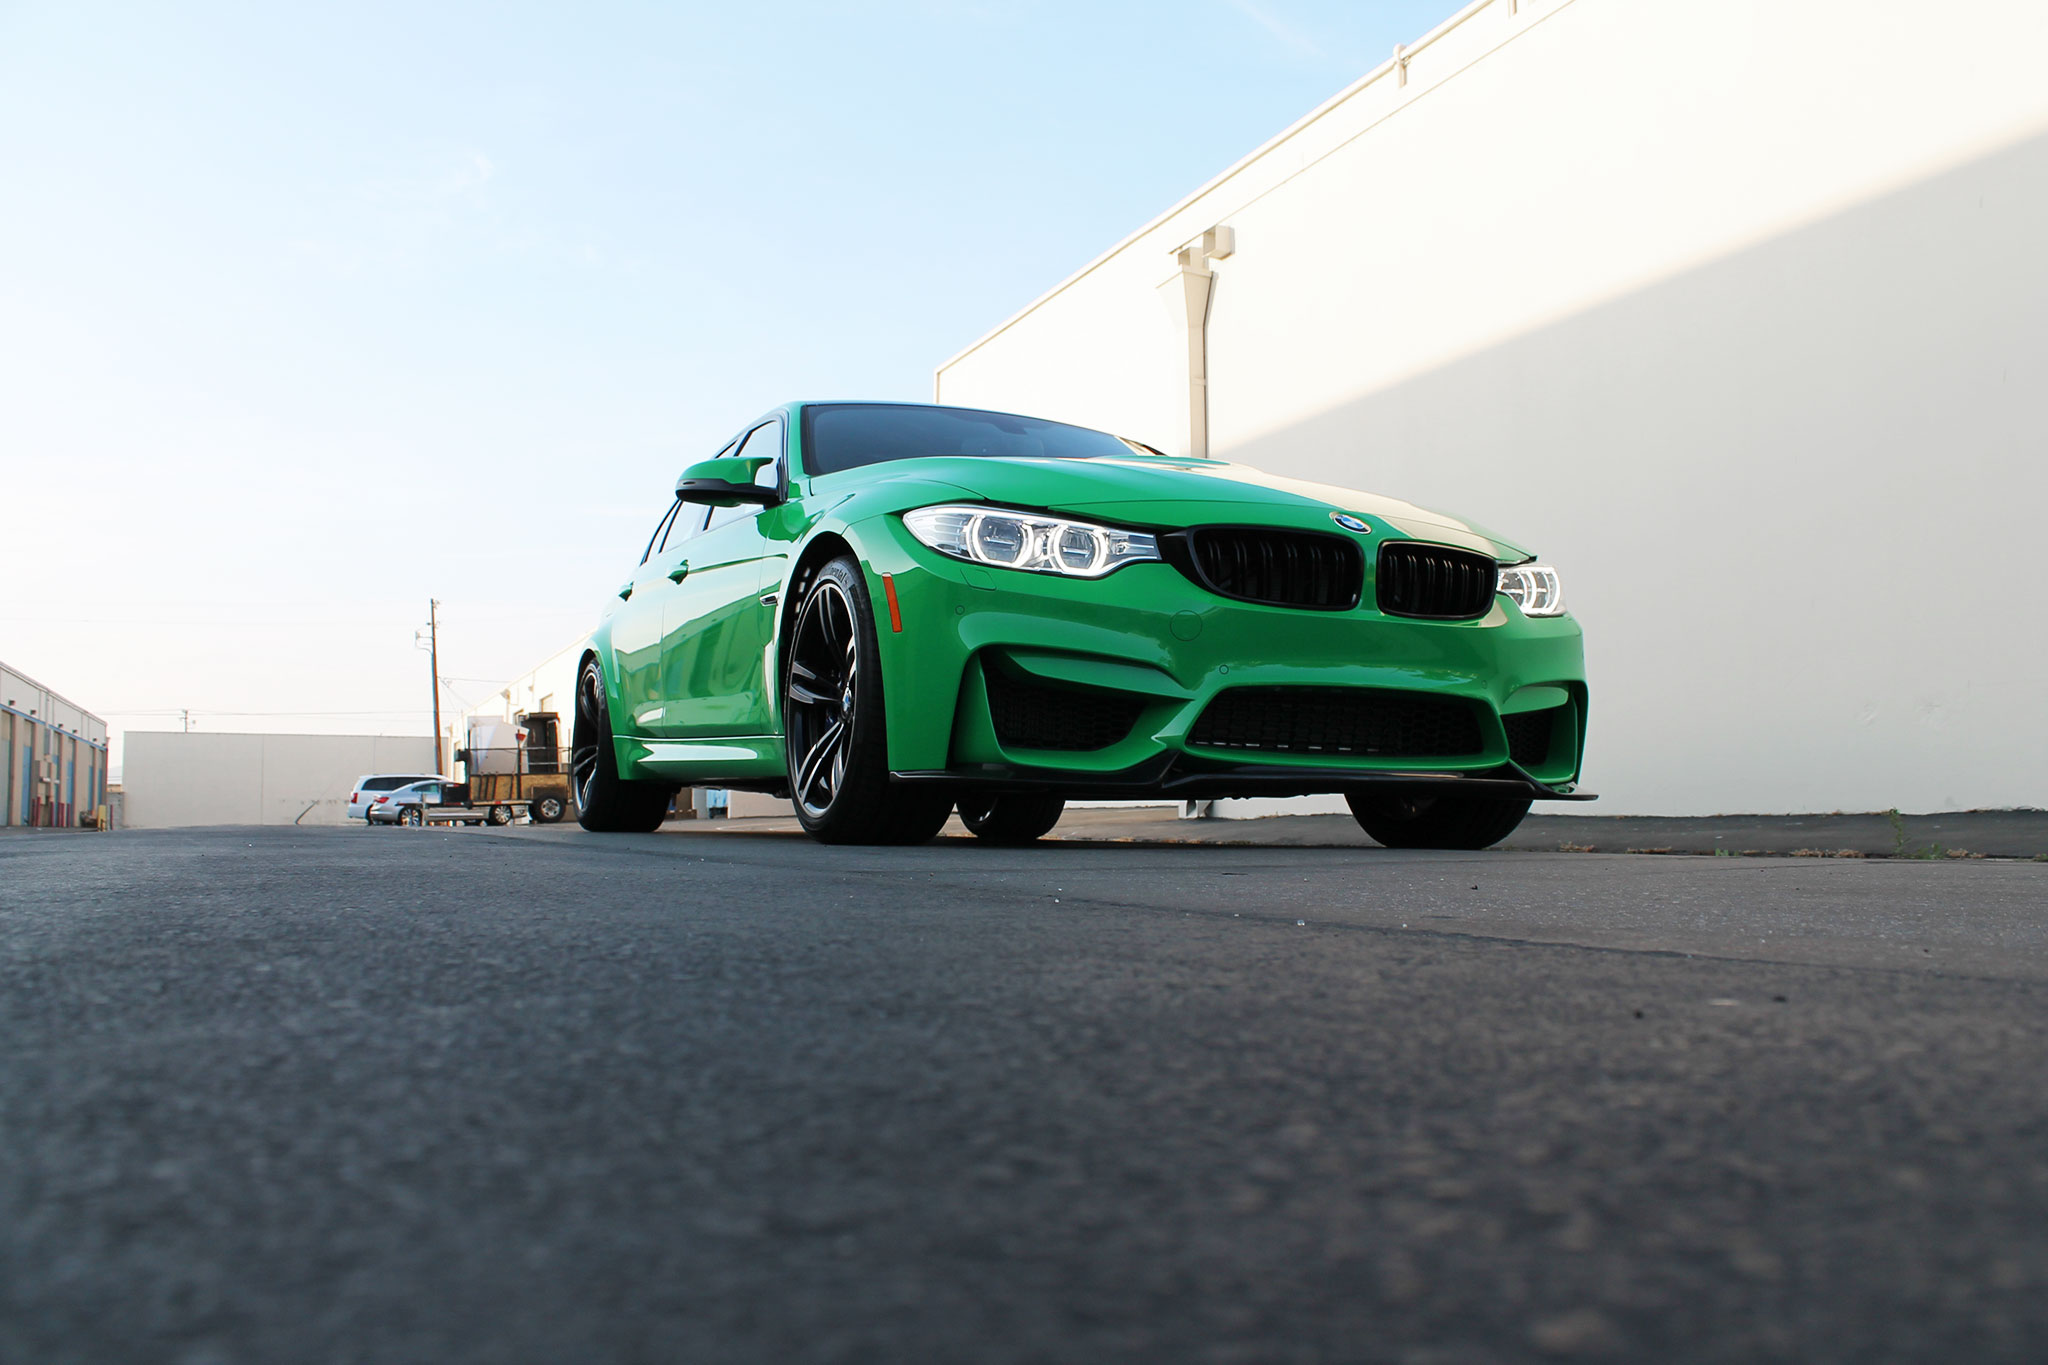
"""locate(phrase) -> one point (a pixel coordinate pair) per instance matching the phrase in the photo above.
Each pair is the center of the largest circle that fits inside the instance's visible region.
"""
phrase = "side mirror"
(727, 482)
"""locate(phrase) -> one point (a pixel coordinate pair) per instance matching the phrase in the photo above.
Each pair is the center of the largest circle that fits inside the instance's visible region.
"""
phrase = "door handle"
(625, 592)
(679, 572)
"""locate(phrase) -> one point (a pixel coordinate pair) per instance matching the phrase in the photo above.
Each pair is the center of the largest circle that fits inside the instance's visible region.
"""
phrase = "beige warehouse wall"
(550, 686)
(1736, 312)
(175, 779)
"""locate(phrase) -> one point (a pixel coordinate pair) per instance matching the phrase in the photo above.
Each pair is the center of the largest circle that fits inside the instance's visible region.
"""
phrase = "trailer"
(453, 803)
(518, 764)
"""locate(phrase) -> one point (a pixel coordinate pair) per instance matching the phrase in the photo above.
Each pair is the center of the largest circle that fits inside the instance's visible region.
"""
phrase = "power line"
(196, 711)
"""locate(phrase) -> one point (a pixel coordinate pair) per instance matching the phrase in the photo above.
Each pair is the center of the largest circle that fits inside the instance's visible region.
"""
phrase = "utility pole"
(434, 659)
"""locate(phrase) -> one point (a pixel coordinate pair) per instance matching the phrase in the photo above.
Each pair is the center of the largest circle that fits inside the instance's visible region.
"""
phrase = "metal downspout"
(1187, 293)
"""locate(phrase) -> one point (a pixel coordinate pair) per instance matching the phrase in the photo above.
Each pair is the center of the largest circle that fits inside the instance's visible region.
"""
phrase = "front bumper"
(1158, 643)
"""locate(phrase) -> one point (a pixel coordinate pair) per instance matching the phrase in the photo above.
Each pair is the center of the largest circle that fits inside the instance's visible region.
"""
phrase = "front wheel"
(546, 809)
(1011, 819)
(1469, 822)
(835, 731)
(606, 802)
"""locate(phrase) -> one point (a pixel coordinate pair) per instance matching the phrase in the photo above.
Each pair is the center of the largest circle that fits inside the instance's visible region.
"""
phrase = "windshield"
(847, 435)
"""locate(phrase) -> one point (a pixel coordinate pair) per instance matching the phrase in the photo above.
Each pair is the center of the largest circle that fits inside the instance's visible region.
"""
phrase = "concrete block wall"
(171, 778)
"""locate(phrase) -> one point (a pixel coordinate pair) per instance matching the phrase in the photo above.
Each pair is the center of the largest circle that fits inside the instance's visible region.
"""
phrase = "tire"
(501, 815)
(1011, 819)
(605, 802)
(413, 817)
(835, 732)
(547, 809)
(1469, 822)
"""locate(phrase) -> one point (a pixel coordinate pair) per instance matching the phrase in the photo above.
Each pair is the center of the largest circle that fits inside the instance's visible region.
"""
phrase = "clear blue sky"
(308, 312)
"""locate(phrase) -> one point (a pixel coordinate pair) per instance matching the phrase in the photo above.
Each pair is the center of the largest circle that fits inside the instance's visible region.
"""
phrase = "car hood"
(1163, 492)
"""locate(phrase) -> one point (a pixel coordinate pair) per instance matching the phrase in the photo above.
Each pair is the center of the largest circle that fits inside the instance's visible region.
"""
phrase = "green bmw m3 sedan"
(889, 611)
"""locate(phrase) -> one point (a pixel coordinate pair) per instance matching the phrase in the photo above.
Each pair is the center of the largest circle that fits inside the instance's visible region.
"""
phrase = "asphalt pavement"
(535, 1095)
(1870, 834)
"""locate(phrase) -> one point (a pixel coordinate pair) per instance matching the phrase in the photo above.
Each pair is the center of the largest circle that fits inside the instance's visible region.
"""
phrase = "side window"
(687, 524)
(765, 439)
(654, 541)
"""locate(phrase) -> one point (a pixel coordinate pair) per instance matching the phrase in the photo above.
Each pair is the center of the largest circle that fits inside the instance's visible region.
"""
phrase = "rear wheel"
(501, 815)
(413, 817)
(606, 802)
(1011, 819)
(1436, 821)
(546, 809)
(837, 736)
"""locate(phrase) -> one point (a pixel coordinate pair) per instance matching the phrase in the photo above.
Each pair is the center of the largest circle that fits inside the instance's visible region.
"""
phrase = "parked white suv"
(368, 787)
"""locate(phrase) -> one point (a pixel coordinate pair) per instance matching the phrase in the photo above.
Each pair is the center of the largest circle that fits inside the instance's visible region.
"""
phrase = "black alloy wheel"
(1011, 819)
(834, 727)
(606, 802)
(1449, 821)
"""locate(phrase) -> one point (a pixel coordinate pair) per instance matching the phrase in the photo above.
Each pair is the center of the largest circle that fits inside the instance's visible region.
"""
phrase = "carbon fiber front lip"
(1174, 776)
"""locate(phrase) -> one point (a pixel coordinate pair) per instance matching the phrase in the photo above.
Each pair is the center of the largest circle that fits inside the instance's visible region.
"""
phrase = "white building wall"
(549, 686)
(172, 778)
(1736, 312)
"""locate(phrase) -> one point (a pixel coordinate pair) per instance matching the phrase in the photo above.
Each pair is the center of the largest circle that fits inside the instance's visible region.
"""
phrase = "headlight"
(1027, 540)
(1535, 588)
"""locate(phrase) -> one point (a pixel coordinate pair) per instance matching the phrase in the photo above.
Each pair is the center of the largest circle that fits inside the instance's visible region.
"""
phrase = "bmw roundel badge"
(1349, 522)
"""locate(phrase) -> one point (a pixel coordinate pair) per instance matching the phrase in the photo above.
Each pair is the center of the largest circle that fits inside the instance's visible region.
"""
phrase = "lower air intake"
(1357, 722)
(1529, 736)
(1029, 715)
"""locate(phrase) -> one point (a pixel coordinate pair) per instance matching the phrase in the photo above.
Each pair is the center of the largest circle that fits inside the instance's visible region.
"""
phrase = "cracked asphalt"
(535, 1095)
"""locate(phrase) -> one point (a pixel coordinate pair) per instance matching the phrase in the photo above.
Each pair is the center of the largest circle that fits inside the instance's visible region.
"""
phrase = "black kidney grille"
(1354, 721)
(1529, 736)
(1435, 582)
(1277, 568)
(1030, 716)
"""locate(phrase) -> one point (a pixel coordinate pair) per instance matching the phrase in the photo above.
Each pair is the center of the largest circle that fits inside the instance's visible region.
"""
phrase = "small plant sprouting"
(1902, 849)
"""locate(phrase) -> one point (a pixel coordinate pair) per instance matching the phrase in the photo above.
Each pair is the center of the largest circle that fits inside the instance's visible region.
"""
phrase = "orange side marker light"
(895, 613)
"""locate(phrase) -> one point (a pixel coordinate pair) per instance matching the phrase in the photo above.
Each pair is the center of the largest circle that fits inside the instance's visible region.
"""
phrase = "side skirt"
(752, 763)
